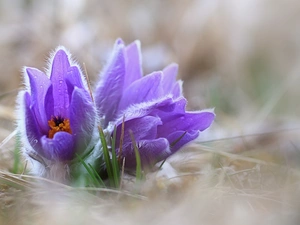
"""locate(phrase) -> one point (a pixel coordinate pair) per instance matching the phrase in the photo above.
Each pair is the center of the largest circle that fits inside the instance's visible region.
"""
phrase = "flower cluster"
(58, 118)
(152, 106)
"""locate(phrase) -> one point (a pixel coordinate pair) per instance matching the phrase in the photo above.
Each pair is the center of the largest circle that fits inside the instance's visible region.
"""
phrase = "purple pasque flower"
(57, 117)
(152, 106)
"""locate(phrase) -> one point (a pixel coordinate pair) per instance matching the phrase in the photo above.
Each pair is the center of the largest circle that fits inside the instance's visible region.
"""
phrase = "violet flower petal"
(151, 152)
(82, 119)
(142, 90)
(142, 128)
(179, 138)
(177, 126)
(133, 62)
(110, 89)
(169, 77)
(190, 121)
(60, 147)
(60, 66)
(170, 85)
(49, 103)
(33, 134)
(165, 108)
(177, 89)
(171, 110)
(39, 85)
(74, 77)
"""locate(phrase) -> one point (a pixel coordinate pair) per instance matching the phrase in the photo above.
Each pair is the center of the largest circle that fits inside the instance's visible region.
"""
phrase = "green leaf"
(94, 176)
(106, 157)
(139, 174)
(17, 156)
(114, 160)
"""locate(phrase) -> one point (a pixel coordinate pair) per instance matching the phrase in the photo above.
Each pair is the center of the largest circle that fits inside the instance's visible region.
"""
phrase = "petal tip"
(173, 65)
(61, 53)
(61, 50)
(119, 41)
(136, 43)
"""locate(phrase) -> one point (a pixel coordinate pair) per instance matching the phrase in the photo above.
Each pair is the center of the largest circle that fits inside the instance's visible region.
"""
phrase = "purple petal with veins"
(110, 89)
(59, 71)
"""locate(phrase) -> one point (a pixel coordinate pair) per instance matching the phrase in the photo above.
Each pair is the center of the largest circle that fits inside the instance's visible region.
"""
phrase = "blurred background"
(240, 57)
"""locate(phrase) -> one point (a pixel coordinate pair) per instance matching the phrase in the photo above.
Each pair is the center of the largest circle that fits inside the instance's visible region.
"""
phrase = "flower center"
(56, 124)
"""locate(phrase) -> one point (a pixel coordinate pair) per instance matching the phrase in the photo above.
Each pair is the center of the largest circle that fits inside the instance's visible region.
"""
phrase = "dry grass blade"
(14, 180)
(18, 181)
(8, 138)
(237, 157)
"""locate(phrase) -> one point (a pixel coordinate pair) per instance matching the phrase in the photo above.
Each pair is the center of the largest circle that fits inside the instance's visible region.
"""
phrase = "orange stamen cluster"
(57, 124)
